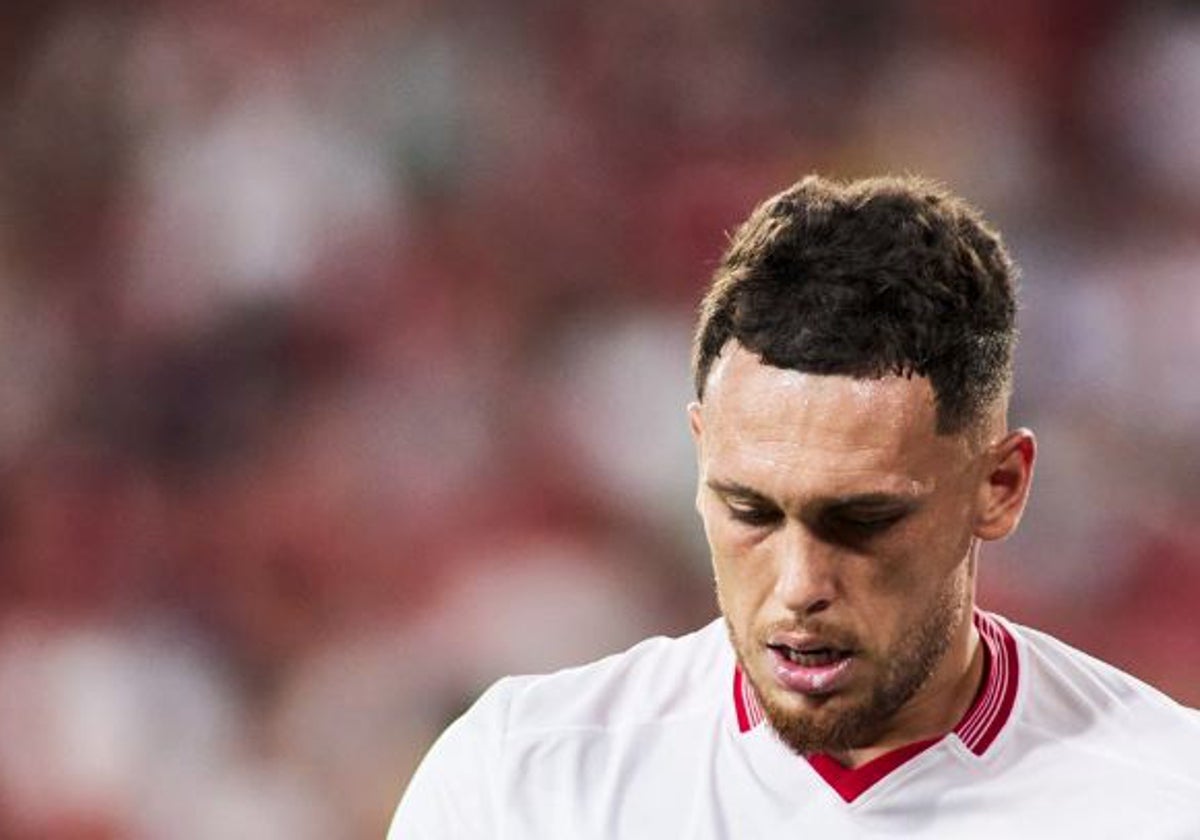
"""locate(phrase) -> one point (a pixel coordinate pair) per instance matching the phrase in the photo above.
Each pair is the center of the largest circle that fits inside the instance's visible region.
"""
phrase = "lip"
(803, 641)
(811, 681)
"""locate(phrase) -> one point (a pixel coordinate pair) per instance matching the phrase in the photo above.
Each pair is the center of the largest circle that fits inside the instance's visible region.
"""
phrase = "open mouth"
(815, 657)
(813, 670)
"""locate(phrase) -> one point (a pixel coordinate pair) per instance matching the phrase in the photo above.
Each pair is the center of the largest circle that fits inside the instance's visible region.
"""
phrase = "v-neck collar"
(976, 730)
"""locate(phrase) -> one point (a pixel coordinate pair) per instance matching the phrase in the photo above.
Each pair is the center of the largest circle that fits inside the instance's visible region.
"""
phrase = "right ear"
(695, 421)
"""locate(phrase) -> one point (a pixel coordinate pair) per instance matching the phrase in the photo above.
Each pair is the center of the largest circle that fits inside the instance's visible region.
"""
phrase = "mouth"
(811, 657)
(811, 669)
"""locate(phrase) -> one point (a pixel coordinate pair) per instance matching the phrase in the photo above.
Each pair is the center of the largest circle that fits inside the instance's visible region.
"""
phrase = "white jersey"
(666, 740)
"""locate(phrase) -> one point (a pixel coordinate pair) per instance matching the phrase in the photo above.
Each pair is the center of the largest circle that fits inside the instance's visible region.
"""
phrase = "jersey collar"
(977, 730)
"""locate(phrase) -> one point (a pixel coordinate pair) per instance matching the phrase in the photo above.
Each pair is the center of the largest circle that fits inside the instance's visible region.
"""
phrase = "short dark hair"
(867, 279)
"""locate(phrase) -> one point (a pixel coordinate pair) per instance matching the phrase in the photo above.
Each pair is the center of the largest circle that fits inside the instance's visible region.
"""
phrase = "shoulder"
(657, 679)
(1081, 682)
(1090, 708)
(478, 776)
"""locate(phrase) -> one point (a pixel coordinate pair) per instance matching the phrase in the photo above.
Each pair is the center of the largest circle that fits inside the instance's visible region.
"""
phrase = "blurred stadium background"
(343, 355)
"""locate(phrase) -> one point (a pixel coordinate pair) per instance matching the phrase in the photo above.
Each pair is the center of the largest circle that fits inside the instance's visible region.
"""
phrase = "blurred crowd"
(344, 355)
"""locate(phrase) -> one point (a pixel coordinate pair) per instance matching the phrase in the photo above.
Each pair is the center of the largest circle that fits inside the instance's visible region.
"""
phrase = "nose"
(806, 571)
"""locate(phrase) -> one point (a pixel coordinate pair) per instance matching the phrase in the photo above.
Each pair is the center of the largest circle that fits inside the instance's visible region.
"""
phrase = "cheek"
(938, 541)
(928, 567)
(943, 551)
(726, 540)
(741, 568)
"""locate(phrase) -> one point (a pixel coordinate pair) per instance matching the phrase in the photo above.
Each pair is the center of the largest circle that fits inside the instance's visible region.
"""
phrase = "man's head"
(853, 362)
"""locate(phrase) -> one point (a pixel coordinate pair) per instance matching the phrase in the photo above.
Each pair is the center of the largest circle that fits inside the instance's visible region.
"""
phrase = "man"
(853, 365)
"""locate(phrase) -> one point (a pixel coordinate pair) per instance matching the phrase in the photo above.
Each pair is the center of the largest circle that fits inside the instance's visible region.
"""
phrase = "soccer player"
(853, 365)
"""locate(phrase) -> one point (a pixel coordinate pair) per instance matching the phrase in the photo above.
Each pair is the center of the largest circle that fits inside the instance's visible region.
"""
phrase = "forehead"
(765, 425)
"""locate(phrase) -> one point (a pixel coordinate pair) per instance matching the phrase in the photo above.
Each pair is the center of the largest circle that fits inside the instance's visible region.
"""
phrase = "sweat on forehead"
(746, 392)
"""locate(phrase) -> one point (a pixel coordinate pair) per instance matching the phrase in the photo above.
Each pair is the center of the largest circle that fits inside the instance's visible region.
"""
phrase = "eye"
(755, 515)
(858, 527)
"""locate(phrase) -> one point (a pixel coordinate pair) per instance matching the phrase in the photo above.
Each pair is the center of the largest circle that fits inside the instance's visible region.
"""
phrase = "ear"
(696, 422)
(1004, 489)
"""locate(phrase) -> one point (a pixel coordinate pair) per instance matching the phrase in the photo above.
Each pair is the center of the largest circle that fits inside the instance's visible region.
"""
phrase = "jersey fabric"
(667, 740)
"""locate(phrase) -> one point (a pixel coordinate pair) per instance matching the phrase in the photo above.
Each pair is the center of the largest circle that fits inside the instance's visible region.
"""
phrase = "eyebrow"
(734, 488)
(877, 499)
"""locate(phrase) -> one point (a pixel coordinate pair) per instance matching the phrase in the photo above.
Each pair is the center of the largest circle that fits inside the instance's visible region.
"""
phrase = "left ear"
(1004, 489)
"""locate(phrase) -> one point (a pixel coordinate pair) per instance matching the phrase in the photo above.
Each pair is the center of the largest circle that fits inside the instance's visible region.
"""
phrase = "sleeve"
(453, 793)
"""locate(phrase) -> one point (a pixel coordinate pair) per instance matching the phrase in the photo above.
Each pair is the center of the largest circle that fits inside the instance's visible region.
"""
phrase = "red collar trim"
(977, 729)
(993, 705)
(850, 783)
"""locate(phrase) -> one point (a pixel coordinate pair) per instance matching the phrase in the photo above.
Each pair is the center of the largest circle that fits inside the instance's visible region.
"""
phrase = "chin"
(832, 723)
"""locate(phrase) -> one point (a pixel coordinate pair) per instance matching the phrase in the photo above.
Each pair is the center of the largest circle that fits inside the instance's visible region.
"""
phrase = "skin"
(832, 507)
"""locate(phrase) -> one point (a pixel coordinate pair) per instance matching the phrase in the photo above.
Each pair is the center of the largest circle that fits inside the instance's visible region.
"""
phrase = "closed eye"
(746, 505)
(858, 528)
(755, 515)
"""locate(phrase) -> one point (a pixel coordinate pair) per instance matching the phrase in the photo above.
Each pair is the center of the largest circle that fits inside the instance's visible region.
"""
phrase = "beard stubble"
(904, 672)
